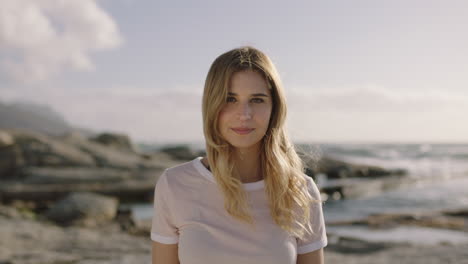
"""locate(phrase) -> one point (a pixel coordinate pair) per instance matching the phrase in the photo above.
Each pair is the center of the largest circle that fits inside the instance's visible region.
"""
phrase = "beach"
(73, 199)
(26, 241)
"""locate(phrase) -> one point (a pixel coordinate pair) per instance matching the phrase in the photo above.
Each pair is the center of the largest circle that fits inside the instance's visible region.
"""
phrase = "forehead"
(248, 82)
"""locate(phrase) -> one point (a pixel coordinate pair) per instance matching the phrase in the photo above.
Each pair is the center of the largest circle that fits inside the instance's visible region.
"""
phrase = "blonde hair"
(283, 170)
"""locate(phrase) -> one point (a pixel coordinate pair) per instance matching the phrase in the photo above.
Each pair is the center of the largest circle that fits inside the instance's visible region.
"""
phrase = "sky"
(354, 71)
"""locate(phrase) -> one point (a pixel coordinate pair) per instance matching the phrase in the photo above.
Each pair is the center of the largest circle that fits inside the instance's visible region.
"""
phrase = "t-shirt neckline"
(251, 186)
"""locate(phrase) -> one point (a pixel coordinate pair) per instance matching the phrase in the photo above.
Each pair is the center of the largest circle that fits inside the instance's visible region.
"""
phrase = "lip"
(242, 130)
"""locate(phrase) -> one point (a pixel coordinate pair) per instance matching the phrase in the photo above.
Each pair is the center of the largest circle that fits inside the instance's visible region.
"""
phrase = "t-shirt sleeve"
(318, 239)
(163, 228)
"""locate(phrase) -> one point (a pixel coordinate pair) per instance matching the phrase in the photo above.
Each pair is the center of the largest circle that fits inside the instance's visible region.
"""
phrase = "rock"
(141, 227)
(439, 221)
(131, 224)
(5, 139)
(40, 150)
(67, 175)
(85, 209)
(105, 156)
(139, 188)
(158, 160)
(336, 169)
(72, 150)
(10, 156)
(389, 220)
(348, 245)
(24, 241)
(181, 152)
(462, 212)
(117, 141)
(9, 212)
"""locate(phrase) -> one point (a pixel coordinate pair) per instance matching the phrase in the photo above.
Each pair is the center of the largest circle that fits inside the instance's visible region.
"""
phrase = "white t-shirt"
(189, 210)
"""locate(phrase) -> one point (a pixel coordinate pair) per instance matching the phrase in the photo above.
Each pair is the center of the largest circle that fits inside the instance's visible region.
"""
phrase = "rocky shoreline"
(61, 202)
(28, 238)
(41, 167)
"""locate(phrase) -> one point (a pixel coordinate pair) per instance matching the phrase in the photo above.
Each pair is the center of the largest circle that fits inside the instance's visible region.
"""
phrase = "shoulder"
(180, 169)
(312, 187)
(182, 175)
(170, 183)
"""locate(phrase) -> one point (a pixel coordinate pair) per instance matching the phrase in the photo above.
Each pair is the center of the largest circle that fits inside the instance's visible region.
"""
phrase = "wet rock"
(347, 245)
(336, 169)
(463, 212)
(428, 220)
(141, 227)
(85, 209)
(131, 224)
(440, 221)
(356, 187)
(390, 220)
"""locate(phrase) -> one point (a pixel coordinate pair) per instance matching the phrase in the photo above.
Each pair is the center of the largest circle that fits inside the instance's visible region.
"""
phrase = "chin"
(243, 145)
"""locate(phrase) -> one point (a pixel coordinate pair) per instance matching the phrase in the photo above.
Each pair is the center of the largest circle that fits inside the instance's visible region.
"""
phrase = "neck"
(248, 164)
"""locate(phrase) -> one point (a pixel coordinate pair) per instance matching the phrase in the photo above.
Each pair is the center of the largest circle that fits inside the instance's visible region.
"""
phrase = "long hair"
(283, 170)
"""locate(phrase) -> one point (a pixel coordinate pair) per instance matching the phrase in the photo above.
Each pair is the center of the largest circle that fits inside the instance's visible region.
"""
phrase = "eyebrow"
(256, 94)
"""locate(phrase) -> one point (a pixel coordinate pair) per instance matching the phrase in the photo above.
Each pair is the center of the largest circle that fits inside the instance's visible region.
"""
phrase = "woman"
(248, 201)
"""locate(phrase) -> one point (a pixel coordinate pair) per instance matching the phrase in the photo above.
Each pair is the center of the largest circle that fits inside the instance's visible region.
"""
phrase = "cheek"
(222, 119)
(264, 116)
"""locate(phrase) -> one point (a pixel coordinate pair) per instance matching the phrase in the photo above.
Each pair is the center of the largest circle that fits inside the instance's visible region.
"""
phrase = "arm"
(314, 257)
(165, 253)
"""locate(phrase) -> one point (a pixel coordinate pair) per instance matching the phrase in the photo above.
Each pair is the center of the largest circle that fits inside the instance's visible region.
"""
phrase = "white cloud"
(38, 38)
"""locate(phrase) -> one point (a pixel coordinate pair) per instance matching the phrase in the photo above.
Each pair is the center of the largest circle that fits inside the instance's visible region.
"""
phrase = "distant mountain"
(35, 117)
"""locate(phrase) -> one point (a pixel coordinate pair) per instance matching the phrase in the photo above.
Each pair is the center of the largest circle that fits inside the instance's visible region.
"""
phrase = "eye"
(257, 100)
(230, 99)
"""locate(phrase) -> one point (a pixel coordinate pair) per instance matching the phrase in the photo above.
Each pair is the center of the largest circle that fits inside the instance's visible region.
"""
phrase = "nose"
(244, 112)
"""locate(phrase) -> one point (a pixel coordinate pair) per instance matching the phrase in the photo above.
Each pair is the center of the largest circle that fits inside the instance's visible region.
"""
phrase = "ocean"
(438, 173)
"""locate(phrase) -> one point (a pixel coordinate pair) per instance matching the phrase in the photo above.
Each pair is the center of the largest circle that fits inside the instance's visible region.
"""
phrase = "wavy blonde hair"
(283, 170)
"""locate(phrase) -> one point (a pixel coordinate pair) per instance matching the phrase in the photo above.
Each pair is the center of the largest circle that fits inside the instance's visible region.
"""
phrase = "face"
(244, 119)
